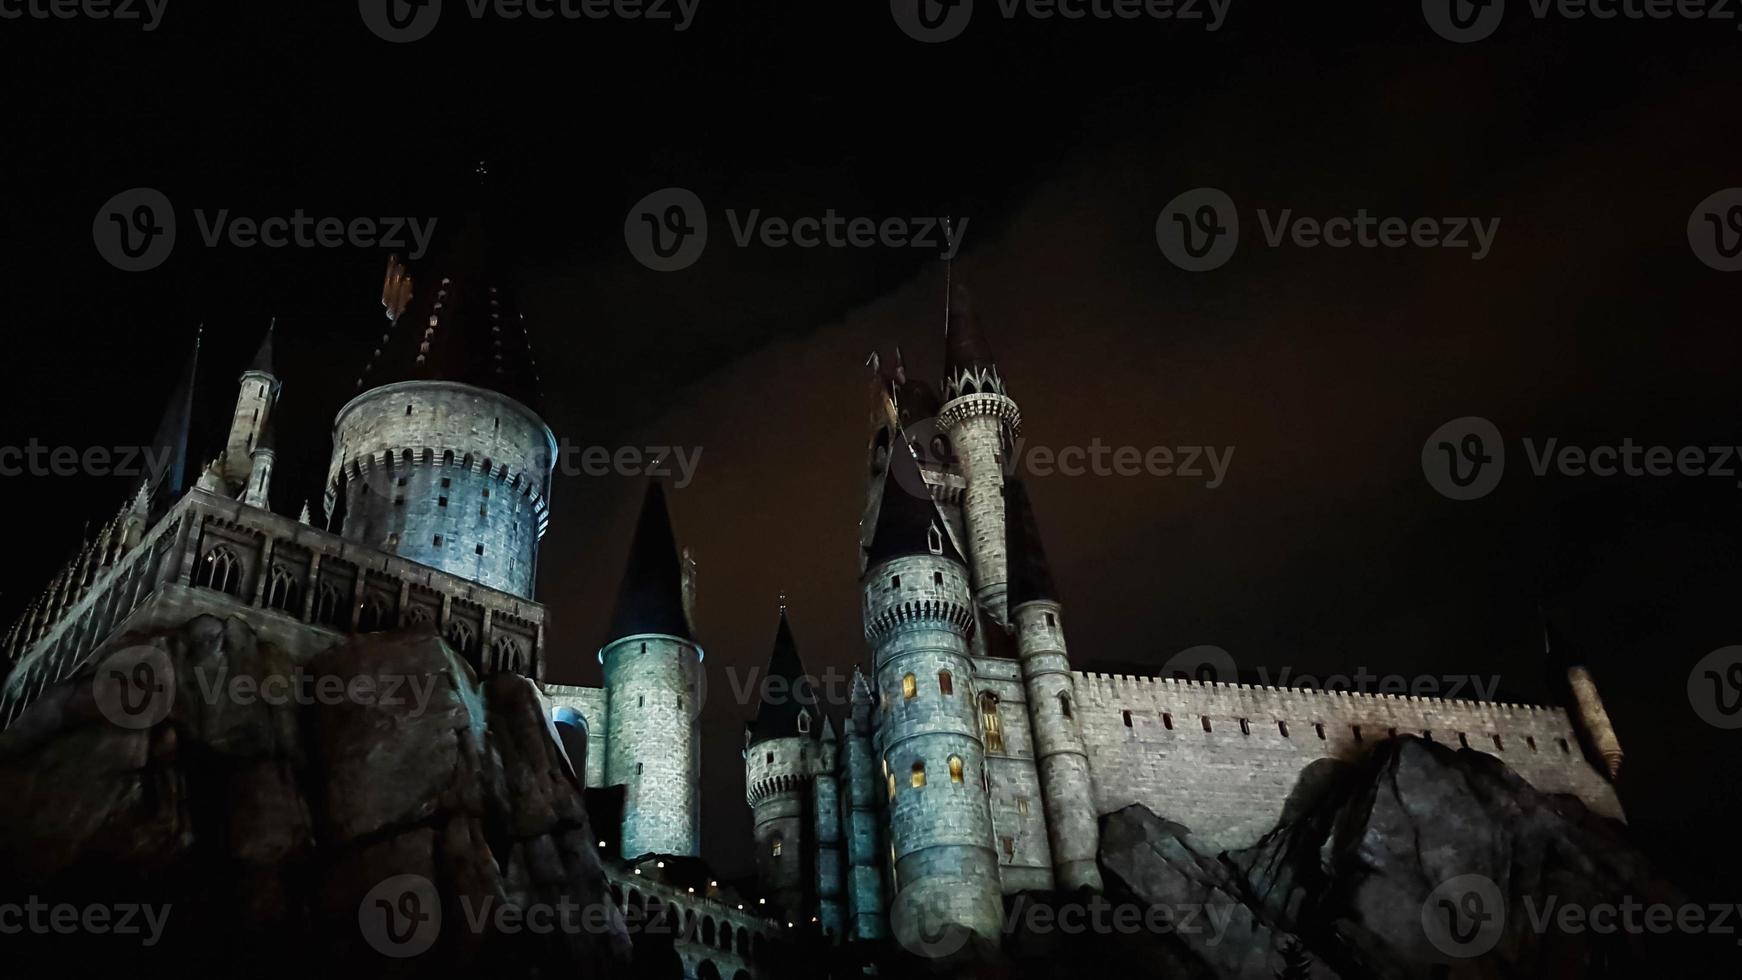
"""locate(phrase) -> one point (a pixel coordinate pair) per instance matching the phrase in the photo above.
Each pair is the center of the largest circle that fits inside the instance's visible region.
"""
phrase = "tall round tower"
(256, 398)
(982, 421)
(781, 757)
(1059, 751)
(919, 616)
(653, 689)
(442, 458)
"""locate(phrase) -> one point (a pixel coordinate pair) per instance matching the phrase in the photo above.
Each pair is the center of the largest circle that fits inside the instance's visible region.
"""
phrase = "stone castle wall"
(1148, 744)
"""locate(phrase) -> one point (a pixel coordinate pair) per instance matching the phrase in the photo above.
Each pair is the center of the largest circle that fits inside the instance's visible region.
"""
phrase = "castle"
(973, 763)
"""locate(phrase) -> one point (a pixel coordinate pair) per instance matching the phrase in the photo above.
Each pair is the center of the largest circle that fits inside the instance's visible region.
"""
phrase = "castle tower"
(919, 617)
(1059, 750)
(255, 402)
(781, 756)
(442, 457)
(653, 695)
(981, 421)
(863, 829)
(259, 489)
(1589, 715)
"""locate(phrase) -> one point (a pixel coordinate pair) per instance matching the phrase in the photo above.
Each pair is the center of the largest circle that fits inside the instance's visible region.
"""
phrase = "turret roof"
(650, 599)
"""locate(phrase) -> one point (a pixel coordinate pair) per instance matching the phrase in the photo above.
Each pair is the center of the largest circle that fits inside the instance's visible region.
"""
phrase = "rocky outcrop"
(379, 807)
(1421, 861)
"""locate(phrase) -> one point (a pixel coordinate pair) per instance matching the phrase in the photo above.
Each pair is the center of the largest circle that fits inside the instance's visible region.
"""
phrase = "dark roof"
(461, 324)
(262, 361)
(651, 597)
(171, 441)
(777, 713)
(906, 512)
(1030, 572)
(916, 401)
(965, 347)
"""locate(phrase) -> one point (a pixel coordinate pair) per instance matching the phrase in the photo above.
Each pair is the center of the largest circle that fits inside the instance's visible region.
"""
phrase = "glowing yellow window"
(918, 775)
(909, 687)
(955, 769)
(892, 786)
(989, 723)
(775, 848)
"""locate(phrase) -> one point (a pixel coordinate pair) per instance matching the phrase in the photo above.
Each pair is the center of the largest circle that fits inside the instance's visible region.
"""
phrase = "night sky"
(1326, 369)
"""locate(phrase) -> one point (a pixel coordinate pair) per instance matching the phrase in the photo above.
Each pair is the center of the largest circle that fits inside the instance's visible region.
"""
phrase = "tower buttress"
(981, 421)
(1059, 751)
(862, 823)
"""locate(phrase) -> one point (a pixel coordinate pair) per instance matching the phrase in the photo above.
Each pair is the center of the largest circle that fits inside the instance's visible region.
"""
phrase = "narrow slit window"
(1282, 726)
(1206, 721)
(1127, 716)
(1319, 728)
(1245, 728)
(1167, 721)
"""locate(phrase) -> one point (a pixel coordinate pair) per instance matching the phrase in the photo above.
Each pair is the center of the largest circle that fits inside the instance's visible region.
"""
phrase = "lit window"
(990, 725)
(918, 775)
(946, 685)
(1022, 806)
(892, 788)
(955, 769)
(909, 687)
(774, 848)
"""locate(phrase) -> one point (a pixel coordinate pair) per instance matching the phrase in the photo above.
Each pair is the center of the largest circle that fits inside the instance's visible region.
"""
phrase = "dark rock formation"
(388, 814)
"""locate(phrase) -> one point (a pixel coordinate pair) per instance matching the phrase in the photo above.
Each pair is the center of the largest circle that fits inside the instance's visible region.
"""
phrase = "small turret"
(256, 400)
(1589, 715)
(653, 688)
(781, 760)
(259, 490)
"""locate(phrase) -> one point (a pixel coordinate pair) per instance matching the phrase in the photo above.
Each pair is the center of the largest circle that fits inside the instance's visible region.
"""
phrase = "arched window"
(282, 590)
(991, 727)
(955, 769)
(372, 618)
(946, 684)
(804, 722)
(1065, 703)
(461, 637)
(419, 615)
(221, 570)
(708, 931)
(725, 936)
(909, 687)
(506, 653)
(918, 775)
(934, 539)
(330, 606)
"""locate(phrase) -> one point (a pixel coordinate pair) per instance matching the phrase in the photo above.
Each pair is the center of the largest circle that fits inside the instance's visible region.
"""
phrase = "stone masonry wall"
(1148, 744)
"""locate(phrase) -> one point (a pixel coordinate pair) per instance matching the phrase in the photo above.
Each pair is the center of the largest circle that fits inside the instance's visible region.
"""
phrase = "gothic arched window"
(330, 606)
(372, 618)
(283, 591)
(990, 725)
(946, 684)
(506, 653)
(221, 570)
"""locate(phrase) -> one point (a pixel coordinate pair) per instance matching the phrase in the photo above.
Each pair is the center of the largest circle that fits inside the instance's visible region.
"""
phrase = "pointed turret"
(1030, 572)
(969, 367)
(169, 446)
(907, 522)
(651, 597)
(788, 688)
(262, 362)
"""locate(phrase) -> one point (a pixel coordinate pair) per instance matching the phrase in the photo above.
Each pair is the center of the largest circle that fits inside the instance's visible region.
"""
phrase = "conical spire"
(787, 689)
(908, 521)
(651, 597)
(1030, 572)
(461, 323)
(262, 362)
(969, 367)
(169, 447)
